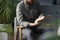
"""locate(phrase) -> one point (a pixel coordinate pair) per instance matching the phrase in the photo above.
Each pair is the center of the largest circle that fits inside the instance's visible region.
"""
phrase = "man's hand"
(21, 26)
(39, 19)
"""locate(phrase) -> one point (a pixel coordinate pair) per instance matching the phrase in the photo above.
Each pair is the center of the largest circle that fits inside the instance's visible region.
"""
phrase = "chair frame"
(16, 30)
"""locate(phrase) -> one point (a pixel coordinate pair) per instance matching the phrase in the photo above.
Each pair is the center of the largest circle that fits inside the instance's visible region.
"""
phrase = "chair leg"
(15, 34)
(20, 31)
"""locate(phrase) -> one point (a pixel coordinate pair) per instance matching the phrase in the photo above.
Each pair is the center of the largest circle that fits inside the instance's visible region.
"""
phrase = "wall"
(53, 10)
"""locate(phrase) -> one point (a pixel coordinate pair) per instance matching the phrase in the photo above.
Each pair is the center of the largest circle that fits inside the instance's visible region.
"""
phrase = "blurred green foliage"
(7, 10)
(6, 28)
(7, 14)
(54, 38)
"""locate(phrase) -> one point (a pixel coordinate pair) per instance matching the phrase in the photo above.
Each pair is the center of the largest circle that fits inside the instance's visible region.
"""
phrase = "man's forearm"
(37, 21)
(33, 24)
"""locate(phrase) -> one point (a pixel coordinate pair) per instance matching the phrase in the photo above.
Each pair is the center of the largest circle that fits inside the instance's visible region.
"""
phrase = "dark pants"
(29, 34)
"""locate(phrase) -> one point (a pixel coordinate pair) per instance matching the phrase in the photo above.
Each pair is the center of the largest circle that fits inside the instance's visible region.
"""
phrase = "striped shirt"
(27, 13)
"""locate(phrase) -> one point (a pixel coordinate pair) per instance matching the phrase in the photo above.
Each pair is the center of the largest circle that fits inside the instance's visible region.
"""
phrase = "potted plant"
(7, 14)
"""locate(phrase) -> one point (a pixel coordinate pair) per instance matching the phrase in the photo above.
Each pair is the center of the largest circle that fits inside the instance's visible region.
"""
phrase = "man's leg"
(26, 34)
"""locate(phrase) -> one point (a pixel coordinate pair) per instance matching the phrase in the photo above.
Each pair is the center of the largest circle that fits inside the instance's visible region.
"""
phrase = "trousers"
(30, 35)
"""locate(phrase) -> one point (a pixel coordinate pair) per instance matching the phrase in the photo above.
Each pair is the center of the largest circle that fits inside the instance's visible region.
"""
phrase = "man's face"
(30, 1)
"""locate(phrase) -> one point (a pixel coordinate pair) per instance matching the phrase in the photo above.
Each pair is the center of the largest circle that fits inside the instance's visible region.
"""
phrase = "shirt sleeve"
(19, 16)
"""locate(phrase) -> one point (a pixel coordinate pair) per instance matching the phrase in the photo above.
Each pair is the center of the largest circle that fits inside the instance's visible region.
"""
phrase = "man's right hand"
(39, 18)
(37, 21)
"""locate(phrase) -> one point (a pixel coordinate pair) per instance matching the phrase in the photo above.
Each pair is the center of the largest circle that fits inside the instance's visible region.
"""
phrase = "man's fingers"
(40, 18)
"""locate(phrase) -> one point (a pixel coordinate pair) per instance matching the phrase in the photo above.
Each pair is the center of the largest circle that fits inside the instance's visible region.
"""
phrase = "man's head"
(29, 1)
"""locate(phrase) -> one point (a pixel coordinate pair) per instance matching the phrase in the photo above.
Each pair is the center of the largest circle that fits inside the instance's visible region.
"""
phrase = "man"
(28, 13)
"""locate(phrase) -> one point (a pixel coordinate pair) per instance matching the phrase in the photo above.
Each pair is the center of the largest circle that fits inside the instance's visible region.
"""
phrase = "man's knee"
(26, 32)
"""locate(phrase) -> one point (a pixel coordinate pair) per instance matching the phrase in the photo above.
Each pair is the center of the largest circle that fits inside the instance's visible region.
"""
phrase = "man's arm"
(20, 17)
(40, 13)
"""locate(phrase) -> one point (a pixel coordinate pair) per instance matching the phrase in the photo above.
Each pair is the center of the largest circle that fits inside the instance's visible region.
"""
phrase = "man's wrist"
(31, 24)
(36, 23)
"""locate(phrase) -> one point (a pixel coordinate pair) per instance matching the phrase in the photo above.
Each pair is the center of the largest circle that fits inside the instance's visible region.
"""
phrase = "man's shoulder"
(20, 3)
(37, 2)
